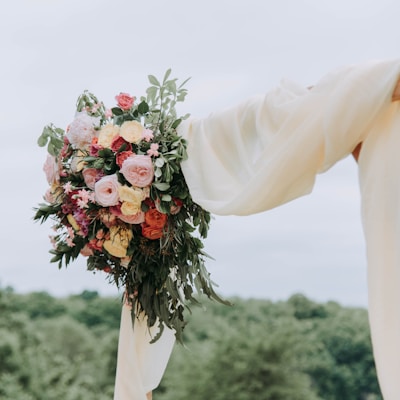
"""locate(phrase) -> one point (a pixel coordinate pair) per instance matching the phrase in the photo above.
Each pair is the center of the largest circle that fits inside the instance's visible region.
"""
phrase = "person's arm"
(395, 97)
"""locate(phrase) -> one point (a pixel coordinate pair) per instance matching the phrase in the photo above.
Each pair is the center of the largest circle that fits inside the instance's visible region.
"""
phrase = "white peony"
(82, 130)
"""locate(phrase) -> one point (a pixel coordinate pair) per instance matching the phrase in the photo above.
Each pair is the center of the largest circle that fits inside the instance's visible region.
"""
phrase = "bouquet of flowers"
(117, 196)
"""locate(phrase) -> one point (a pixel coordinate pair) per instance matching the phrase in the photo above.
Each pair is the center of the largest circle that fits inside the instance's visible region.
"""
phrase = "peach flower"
(138, 170)
(107, 134)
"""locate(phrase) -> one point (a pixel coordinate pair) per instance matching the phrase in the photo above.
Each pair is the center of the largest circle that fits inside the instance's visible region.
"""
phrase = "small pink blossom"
(153, 151)
(69, 242)
(108, 113)
(147, 134)
(71, 232)
(67, 188)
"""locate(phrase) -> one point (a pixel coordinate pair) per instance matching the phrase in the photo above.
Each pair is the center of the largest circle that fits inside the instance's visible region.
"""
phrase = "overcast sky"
(51, 50)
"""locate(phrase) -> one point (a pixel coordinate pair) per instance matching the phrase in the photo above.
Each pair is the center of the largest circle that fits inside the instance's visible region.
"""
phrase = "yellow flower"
(128, 208)
(73, 222)
(132, 131)
(119, 241)
(133, 195)
(107, 134)
(77, 163)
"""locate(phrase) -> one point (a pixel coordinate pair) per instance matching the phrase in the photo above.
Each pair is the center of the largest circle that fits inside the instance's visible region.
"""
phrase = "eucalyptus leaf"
(153, 80)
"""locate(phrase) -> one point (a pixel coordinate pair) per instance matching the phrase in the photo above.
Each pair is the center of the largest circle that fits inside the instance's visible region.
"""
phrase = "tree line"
(65, 348)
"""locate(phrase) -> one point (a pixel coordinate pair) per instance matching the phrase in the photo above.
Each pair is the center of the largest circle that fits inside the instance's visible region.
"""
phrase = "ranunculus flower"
(118, 242)
(50, 168)
(138, 170)
(137, 218)
(107, 134)
(119, 143)
(125, 101)
(81, 130)
(91, 176)
(121, 157)
(106, 190)
(132, 131)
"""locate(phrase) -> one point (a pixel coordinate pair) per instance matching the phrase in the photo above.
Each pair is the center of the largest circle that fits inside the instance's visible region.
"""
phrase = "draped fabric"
(268, 150)
(140, 364)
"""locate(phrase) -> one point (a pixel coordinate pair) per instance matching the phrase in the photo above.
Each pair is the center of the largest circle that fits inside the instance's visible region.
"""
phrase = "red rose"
(125, 101)
(119, 143)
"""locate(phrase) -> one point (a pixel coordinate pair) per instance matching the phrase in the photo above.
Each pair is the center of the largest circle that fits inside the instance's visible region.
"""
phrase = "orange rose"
(151, 232)
(155, 219)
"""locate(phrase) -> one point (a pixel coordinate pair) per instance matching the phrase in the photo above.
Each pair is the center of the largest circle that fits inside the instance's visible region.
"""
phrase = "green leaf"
(117, 111)
(161, 186)
(159, 162)
(143, 108)
(176, 123)
(167, 74)
(153, 80)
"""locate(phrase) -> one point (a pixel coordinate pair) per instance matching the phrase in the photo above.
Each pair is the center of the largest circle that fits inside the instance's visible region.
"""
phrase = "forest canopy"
(65, 348)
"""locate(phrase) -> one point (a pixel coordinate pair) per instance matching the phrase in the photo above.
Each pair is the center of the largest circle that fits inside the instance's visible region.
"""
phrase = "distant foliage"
(257, 349)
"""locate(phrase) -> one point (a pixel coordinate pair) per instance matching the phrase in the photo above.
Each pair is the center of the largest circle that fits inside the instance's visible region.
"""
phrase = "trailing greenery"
(65, 348)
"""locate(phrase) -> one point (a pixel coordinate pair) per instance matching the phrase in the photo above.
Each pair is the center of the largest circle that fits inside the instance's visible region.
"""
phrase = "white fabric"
(268, 151)
(140, 365)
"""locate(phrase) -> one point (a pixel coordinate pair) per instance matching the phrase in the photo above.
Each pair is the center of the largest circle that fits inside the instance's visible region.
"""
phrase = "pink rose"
(91, 176)
(125, 101)
(106, 190)
(50, 168)
(138, 170)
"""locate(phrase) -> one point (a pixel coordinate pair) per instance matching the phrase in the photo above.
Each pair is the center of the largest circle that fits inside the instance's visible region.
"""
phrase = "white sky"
(51, 50)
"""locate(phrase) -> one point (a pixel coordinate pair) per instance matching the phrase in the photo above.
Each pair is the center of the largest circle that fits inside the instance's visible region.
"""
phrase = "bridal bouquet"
(117, 196)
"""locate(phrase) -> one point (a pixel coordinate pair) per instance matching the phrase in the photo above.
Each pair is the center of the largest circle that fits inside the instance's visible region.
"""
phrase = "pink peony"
(50, 168)
(106, 190)
(81, 131)
(125, 101)
(138, 170)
